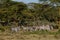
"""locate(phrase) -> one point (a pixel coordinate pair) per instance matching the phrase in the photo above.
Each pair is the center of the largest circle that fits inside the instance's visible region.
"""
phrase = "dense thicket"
(19, 13)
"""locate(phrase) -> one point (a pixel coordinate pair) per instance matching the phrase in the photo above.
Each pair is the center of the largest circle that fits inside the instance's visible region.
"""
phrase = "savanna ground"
(37, 35)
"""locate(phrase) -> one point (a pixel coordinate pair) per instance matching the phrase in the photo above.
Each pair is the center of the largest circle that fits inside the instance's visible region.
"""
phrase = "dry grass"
(21, 36)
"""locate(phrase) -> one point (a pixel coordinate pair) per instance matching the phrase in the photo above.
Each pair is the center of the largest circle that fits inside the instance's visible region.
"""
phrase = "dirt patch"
(20, 36)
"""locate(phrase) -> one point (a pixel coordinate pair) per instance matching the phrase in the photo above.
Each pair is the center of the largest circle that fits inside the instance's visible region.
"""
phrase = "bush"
(2, 29)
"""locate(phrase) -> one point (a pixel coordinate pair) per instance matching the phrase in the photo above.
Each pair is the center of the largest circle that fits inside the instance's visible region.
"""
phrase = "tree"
(4, 1)
(51, 0)
(55, 0)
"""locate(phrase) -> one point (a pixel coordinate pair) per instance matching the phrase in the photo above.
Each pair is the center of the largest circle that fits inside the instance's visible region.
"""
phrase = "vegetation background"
(14, 13)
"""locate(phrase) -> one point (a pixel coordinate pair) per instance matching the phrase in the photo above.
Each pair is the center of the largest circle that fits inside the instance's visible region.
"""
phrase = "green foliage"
(21, 14)
(51, 0)
(55, 0)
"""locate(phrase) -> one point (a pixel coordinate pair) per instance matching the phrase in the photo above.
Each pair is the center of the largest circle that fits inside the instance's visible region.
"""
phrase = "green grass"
(42, 32)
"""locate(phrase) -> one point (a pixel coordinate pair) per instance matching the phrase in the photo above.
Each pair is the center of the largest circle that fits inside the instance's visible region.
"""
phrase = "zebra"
(15, 29)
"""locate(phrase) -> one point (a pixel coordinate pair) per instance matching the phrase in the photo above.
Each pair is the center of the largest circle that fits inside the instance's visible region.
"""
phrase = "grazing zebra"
(15, 29)
(27, 28)
(43, 27)
(24, 28)
(46, 27)
(37, 28)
